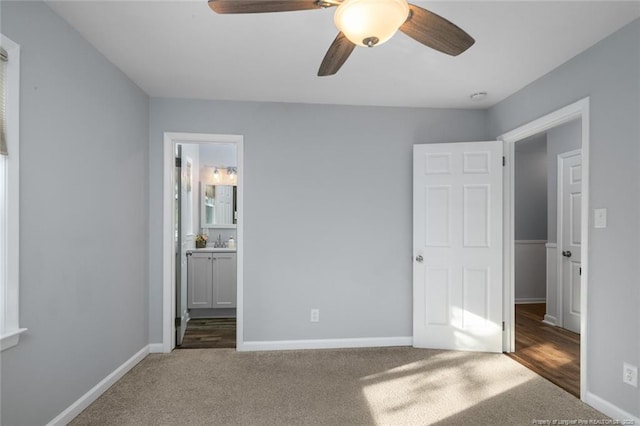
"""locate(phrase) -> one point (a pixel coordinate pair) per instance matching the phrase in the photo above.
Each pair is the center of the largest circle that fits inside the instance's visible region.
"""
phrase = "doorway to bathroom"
(203, 220)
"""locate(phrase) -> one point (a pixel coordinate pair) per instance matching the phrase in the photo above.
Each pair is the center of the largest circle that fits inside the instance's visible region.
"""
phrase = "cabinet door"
(199, 280)
(224, 280)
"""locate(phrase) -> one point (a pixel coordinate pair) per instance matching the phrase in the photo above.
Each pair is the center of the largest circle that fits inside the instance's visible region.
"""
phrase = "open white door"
(185, 237)
(457, 246)
(180, 264)
(570, 217)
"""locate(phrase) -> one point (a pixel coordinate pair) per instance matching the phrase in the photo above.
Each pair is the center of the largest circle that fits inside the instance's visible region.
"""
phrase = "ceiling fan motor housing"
(370, 22)
(371, 41)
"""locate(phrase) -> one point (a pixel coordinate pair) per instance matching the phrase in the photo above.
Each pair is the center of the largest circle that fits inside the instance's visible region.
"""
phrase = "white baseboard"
(283, 345)
(520, 242)
(156, 348)
(85, 400)
(610, 410)
(550, 319)
(530, 300)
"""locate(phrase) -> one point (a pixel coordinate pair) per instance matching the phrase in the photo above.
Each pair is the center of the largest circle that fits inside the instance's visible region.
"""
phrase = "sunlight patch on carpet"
(433, 389)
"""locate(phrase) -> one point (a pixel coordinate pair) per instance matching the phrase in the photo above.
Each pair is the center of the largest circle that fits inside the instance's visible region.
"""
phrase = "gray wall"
(561, 139)
(609, 74)
(343, 243)
(218, 154)
(328, 211)
(531, 189)
(84, 209)
(530, 166)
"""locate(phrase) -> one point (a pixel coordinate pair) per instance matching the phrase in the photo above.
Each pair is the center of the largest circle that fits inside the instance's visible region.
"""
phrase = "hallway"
(552, 352)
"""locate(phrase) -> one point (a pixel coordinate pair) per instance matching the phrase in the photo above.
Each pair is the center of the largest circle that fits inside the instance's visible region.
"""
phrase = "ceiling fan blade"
(436, 32)
(336, 56)
(262, 6)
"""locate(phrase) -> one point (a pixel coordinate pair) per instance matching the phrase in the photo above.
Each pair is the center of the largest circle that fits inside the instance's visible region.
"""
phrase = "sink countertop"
(212, 250)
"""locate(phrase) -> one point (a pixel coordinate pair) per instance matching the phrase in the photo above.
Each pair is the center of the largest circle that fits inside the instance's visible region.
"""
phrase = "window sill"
(9, 340)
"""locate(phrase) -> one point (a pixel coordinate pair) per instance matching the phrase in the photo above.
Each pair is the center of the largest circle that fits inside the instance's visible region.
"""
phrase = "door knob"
(419, 258)
(566, 253)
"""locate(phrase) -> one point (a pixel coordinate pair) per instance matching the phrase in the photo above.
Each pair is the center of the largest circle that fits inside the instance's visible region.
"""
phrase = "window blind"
(3, 91)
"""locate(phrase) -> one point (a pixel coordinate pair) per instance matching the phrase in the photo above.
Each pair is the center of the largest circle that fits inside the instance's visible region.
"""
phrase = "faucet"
(218, 241)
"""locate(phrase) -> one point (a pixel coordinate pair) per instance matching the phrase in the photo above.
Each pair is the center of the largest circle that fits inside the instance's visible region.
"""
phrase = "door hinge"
(178, 162)
(178, 322)
(580, 271)
(504, 161)
(502, 325)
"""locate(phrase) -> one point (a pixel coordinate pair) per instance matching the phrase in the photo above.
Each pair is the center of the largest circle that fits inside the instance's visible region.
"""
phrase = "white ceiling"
(182, 49)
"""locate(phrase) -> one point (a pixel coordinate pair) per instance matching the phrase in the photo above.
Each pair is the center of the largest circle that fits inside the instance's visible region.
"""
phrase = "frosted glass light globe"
(370, 22)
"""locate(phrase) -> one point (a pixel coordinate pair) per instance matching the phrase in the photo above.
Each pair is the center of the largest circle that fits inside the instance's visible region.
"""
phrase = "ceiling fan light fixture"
(370, 22)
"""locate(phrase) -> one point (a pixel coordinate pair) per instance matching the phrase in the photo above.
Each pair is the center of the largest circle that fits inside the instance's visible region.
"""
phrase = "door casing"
(576, 110)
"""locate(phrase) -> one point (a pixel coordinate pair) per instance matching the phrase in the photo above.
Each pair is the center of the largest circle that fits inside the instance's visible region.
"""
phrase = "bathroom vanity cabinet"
(211, 279)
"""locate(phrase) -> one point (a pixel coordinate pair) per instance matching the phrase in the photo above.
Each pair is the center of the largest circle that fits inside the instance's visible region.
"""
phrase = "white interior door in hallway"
(457, 238)
(569, 231)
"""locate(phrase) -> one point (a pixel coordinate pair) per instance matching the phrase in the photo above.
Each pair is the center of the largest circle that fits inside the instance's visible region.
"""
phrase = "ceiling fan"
(364, 23)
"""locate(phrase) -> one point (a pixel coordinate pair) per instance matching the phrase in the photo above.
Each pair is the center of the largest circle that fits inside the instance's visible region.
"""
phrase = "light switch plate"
(600, 218)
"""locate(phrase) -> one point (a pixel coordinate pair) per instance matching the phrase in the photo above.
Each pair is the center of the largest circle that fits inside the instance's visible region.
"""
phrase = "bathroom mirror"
(218, 206)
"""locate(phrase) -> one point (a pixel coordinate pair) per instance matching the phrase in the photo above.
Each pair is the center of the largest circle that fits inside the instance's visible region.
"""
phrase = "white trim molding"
(156, 348)
(552, 317)
(168, 255)
(94, 393)
(11, 338)
(530, 300)
(10, 329)
(577, 110)
(530, 242)
(366, 342)
(611, 410)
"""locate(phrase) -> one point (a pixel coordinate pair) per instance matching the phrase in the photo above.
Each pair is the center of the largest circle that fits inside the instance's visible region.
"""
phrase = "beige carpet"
(385, 386)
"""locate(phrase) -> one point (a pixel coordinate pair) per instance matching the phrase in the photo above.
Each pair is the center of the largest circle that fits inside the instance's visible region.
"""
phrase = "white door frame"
(168, 249)
(559, 232)
(577, 110)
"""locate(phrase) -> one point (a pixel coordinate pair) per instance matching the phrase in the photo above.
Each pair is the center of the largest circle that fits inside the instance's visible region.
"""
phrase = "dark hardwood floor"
(552, 352)
(211, 333)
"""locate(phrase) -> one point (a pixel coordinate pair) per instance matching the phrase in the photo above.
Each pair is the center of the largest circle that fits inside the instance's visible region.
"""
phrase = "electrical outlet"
(630, 374)
(600, 218)
(315, 315)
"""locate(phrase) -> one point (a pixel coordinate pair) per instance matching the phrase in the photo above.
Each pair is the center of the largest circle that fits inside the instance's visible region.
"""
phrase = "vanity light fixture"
(216, 174)
(231, 172)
